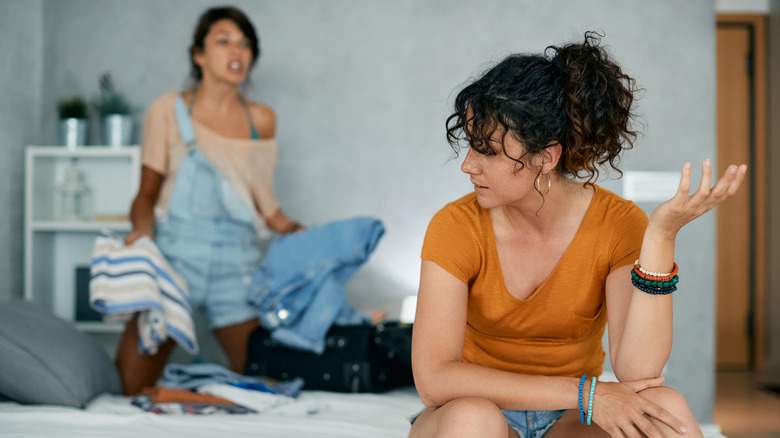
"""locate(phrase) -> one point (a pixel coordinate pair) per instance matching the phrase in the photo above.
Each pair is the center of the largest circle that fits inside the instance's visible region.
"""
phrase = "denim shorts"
(528, 424)
(532, 424)
(218, 272)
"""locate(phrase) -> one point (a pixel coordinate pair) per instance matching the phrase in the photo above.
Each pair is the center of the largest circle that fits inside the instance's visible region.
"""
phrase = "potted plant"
(116, 124)
(72, 127)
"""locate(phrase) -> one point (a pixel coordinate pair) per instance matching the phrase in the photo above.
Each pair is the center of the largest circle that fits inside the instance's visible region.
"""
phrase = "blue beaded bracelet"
(653, 290)
(582, 410)
(590, 398)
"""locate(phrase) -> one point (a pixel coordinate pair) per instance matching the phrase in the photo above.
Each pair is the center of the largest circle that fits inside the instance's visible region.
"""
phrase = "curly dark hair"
(203, 26)
(578, 97)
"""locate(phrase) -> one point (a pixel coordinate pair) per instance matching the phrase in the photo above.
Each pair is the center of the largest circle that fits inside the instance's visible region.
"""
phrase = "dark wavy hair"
(203, 26)
(576, 96)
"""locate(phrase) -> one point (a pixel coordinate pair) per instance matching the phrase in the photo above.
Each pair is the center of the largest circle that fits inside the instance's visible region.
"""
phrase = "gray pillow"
(45, 360)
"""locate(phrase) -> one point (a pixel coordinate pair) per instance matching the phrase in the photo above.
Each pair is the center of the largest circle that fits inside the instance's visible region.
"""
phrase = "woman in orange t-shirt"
(520, 277)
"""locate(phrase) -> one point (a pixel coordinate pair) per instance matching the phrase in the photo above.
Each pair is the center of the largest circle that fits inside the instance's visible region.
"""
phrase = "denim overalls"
(210, 238)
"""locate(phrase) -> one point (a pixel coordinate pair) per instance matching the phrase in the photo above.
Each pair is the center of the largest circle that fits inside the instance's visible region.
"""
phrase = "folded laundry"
(162, 402)
(126, 280)
(194, 376)
(173, 395)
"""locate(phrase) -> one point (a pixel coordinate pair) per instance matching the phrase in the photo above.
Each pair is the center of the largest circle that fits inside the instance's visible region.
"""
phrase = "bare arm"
(280, 223)
(640, 324)
(437, 346)
(142, 210)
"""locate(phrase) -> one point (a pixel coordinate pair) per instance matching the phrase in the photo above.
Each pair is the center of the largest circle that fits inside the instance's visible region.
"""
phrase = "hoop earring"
(549, 184)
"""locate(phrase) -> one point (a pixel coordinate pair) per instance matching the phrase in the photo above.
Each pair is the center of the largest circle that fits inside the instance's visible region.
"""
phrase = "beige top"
(245, 163)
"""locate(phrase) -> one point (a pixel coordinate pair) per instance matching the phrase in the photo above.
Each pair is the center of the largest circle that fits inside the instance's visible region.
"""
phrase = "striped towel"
(137, 278)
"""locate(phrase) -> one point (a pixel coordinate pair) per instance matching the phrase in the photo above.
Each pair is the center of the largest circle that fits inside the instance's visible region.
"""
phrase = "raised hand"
(673, 214)
(621, 411)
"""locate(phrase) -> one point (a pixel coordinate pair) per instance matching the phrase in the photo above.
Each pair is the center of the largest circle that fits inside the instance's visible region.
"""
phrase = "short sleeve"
(452, 242)
(629, 230)
(154, 144)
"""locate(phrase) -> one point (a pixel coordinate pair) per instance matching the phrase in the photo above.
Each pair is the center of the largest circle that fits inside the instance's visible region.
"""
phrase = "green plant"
(73, 107)
(110, 101)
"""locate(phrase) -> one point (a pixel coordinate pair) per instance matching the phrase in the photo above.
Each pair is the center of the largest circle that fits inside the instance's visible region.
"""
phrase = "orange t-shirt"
(557, 330)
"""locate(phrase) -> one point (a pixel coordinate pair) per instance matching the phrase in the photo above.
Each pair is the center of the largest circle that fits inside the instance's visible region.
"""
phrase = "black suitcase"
(356, 359)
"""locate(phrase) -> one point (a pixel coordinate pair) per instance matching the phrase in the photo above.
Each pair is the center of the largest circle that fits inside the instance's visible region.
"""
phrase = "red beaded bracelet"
(647, 275)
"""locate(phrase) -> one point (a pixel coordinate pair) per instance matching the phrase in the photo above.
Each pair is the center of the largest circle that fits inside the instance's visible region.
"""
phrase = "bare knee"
(471, 417)
(668, 398)
(674, 402)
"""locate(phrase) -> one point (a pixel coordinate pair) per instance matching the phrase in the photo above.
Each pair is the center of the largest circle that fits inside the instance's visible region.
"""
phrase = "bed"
(63, 385)
(340, 415)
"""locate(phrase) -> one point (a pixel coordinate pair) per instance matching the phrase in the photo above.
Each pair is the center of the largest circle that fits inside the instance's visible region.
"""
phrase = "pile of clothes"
(204, 389)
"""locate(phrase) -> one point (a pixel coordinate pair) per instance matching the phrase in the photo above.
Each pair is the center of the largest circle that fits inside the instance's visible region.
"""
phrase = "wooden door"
(740, 225)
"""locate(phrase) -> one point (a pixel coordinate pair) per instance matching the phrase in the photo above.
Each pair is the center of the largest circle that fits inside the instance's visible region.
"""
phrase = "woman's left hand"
(673, 214)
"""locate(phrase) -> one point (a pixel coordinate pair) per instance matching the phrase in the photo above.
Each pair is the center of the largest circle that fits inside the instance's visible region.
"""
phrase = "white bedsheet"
(340, 415)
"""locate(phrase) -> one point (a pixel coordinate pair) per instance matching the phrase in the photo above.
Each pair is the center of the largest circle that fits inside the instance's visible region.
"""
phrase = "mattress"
(338, 415)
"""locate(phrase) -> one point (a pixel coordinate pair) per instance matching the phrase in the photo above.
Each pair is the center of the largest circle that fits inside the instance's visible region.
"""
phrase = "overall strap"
(253, 134)
(185, 124)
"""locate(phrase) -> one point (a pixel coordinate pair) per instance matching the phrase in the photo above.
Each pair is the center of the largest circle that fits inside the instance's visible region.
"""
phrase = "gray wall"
(21, 44)
(362, 89)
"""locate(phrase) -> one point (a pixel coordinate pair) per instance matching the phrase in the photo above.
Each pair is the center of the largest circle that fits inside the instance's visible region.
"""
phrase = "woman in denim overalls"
(210, 232)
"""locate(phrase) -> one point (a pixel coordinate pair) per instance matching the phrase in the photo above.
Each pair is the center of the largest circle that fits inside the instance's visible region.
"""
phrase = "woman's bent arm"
(640, 324)
(142, 210)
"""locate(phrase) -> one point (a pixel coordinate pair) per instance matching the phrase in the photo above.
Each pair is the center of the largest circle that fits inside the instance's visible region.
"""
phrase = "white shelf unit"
(54, 248)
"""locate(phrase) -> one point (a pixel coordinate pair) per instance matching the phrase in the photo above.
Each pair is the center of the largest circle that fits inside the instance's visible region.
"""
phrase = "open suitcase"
(356, 359)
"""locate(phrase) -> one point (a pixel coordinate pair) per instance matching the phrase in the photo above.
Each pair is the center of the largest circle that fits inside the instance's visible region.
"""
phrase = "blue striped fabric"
(137, 279)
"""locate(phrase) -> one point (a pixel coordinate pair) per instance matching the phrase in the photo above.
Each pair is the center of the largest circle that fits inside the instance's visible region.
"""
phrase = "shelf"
(80, 226)
(100, 327)
(84, 151)
(56, 251)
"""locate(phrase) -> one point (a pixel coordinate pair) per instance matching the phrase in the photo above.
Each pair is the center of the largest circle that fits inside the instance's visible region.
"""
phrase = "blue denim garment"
(299, 290)
(209, 237)
(532, 424)
(527, 424)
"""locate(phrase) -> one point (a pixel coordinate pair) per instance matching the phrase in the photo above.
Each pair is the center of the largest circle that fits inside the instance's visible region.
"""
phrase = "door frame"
(757, 26)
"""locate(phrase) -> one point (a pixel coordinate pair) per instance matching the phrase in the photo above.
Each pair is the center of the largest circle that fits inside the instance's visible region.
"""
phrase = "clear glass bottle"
(74, 197)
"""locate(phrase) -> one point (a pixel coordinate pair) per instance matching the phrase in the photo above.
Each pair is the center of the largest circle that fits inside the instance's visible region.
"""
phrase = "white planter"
(72, 132)
(116, 129)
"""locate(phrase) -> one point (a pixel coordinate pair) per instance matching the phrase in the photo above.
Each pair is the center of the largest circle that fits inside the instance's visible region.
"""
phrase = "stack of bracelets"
(653, 282)
(590, 399)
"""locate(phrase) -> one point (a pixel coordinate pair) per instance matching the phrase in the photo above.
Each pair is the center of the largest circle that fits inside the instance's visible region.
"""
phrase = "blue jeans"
(532, 424)
(299, 290)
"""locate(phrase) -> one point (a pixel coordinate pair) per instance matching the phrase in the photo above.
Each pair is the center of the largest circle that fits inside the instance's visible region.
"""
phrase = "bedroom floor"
(745, 409)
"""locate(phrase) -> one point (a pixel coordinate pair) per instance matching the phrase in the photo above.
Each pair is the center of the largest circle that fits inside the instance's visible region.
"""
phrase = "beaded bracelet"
(653, 282)
(636, 278)
(655, 291)
(590, 398)
(647, 273)
(582, 410)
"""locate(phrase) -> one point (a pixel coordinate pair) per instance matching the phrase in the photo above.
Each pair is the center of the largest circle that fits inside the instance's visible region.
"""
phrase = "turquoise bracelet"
(590, 398)
(582, 410)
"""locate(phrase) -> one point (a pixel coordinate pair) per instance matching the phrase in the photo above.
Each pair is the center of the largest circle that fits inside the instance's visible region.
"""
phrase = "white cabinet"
(54, 248)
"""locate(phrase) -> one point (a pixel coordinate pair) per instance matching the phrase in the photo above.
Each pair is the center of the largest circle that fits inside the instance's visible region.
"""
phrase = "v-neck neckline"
(540, 287)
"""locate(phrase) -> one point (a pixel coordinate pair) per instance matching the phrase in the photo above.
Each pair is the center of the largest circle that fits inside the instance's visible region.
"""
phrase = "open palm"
(673, 214)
